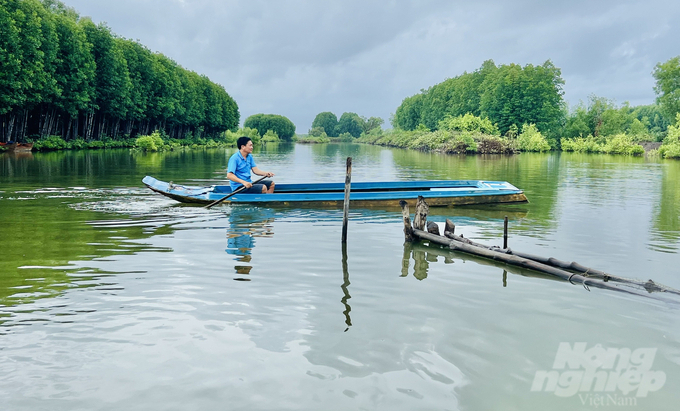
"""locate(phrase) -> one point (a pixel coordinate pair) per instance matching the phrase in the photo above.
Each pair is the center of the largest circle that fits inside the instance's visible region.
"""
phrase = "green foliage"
(230, 137)
(469, 122)
(506, 95)
(51, 143)
(602, 119)
(279, 124)
(349, 123)
(622, 144)
(318, 132)
(326, 120)
(515, 95)
(371, 124)
(667, 87)
(153, 142)
(530, 139)
(408, 114)
(616, 144)
(671, 144)
(442, 141)
(82, 81)
(346, 138)
(314, 139)
(639, 130)
(582, 145)
(270, 137)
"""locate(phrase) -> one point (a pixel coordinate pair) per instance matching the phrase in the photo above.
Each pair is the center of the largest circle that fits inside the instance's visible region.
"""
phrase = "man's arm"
(231, 176)
(259, 172)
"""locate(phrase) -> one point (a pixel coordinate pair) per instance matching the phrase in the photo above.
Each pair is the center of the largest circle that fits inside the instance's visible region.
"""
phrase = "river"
(113, 297)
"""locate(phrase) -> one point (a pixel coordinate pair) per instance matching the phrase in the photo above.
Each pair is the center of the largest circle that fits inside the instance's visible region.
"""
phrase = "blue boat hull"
(363, 194)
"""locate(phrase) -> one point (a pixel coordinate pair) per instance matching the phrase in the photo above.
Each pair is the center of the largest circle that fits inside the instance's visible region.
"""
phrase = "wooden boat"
(363, 194)
(17, 147)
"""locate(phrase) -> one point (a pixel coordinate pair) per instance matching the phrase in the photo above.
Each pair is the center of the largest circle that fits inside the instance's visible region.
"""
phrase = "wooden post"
(505, 233)
(420, 218)
(432, 228)
(345, 215)
(449, 227)
(408, 230)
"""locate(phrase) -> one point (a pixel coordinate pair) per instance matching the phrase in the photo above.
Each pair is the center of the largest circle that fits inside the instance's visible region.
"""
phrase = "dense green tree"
(371, 123)
(112, 77)
(328, 121)
(516, 95)
(62, 74)
(74, 70)
(667, 87)
(349, 123)
(507, 95)
(274, 122)
(408, 114)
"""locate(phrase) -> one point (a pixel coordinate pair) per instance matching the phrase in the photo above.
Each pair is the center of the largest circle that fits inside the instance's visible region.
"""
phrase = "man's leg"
(268, 187)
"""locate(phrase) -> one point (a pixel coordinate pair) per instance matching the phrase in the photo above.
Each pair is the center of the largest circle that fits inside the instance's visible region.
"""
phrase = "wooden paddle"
(216, 202)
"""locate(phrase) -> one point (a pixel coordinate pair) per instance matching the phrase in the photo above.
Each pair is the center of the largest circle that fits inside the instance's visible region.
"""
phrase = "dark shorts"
(257, 188)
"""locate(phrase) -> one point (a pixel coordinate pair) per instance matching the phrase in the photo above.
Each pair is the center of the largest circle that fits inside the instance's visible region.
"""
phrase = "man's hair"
(242, 141)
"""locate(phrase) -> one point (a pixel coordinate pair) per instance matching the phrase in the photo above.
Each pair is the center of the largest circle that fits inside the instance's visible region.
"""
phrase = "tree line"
(506, 94)
(328, 124)
(511, 96)
(64, 75)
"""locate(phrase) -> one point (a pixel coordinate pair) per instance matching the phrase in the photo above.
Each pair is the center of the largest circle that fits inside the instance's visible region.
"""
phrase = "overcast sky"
(301, 57)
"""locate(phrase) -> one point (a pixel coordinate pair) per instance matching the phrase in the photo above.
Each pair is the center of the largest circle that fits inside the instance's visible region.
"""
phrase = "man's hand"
(269, 174)
(247, 184)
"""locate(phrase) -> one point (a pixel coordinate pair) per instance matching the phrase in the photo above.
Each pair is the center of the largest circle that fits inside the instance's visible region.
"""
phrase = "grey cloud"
(298, 58)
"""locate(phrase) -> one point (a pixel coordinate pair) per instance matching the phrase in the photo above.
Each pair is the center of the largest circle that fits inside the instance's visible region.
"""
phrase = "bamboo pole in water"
(345, 214)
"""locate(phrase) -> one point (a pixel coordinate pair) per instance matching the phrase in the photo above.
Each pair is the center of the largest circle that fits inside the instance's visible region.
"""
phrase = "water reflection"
(344, 286)
(245, 225)
(424, 253)
(422, 256)
(665, 235)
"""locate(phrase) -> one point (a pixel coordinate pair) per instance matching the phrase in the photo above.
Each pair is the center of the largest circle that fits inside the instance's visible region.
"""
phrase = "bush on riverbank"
(270, 137)
(230, 137)
(616, 144)
(445, 141)
(159, 141)
(671, 144)
(308, 139)
(530, 139)
(53, 143)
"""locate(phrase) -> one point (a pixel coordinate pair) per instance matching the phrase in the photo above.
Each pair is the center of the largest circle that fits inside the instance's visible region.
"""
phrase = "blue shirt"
(240, 167)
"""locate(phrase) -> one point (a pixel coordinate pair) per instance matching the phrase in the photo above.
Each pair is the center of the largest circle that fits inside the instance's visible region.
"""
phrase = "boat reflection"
(245, 225)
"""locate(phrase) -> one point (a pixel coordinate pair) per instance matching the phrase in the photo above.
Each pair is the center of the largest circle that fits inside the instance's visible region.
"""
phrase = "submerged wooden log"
(649, 285)
(408, 230)
(578, 274)
(517, 261)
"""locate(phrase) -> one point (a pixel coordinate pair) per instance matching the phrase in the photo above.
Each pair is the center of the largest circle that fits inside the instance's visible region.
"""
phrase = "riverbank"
(475, 142)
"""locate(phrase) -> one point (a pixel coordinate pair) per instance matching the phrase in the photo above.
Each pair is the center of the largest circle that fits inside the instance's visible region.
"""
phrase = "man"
(241, 164)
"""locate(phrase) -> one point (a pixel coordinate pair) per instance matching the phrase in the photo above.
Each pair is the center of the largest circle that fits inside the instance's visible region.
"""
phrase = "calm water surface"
(112, 297)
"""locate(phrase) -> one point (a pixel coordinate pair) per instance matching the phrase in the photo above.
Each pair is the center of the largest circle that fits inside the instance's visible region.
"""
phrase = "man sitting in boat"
(240, 165)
